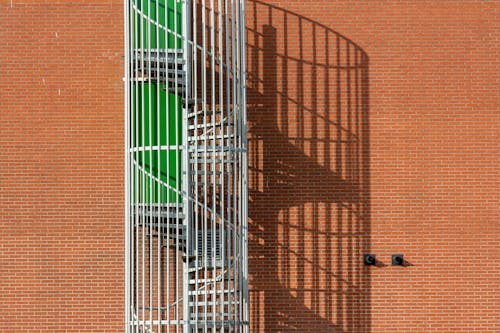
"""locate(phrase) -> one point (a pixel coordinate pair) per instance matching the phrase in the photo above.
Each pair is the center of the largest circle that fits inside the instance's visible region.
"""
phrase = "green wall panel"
(157, 117)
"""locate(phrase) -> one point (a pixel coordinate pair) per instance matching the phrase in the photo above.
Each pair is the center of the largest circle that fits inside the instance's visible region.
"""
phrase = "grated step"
(209, 292)
(171, 229)
(202, 266)
(211, 280)
(210, 316)
(210, 137)
(208, 173)
(161, 55)
(214, 323)
(210, 160)
(162, 215)
(200, 113)
(201, 150)
(213, 303)
(205, 126)
(197, 184)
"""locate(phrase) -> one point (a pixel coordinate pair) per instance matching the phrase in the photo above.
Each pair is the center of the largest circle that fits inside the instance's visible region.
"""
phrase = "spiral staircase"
(186, 255)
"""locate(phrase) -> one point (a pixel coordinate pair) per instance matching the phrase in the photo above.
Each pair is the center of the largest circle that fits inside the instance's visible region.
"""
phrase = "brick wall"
(61, 196)
(373, 127)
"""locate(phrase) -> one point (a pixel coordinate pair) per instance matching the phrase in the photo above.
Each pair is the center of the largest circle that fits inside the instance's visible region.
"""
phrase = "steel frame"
(185, 236)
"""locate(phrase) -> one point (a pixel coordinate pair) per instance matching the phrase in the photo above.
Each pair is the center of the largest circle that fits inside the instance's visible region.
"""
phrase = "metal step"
(171, 76)
(210, 137)
(201, 268)
(205, 126)
(208, 111)
(210, 315)
(213, 303)
(210, 160)
(169, 230)
(208, 173)
(210, 280)
(195, 184)
(159, 55)
(214, 324)
(200, 113)
(163, 215)
(157, 205)
(165, 72)
(209, 292)
(202, 150)
(159, 65)
(171, 211)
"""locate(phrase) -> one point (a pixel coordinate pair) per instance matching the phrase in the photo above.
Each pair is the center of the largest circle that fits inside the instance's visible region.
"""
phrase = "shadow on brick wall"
(309, 185)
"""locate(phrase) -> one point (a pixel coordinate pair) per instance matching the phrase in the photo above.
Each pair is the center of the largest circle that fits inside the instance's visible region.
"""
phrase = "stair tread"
(209, 292)
(210, 137)
(214, 323)
(207, 125)
(209, 160)
(208, 173)
(213, 303)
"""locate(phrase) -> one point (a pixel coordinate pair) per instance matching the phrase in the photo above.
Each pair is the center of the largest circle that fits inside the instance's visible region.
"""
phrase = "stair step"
(164, 225)
(162, 215)
(157, 206)
(208, 173)
(210, 315)
(202, 150)
(161, 55)
(196, 184)
(203, 126)
(213, 303)
(201, 266)
(165, 77)
(208, 111)
(213, 323)
(164, 72)
(210, 160)
(210, 280)
(209, 292)
(210, 137)
(172, 230)
(200, 113)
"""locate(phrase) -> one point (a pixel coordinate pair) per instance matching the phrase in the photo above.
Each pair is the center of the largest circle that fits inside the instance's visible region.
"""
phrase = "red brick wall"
(373, 127)
(61, 162)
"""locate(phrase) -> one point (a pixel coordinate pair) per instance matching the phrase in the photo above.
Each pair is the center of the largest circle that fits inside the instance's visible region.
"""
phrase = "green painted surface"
(157, 114)
(155, 126)
(157, 14)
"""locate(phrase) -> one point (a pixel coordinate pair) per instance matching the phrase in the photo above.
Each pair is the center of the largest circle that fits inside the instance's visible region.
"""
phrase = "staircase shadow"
(309, 175)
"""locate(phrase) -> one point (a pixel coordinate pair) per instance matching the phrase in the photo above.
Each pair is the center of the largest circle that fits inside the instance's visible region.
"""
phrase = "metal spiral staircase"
(186, 174)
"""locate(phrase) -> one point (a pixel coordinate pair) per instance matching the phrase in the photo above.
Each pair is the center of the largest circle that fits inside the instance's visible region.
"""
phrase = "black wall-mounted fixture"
(369, 259)
(397, 260)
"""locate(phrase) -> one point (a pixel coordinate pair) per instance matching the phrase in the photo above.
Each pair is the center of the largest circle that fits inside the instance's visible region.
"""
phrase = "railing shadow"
(309, 175)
